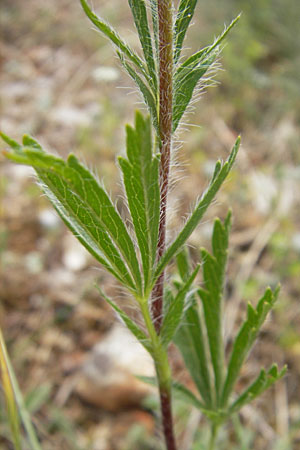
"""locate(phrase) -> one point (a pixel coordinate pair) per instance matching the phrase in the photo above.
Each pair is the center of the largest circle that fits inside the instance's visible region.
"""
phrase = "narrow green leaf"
(201, 55)
(192, 70)
(199, 211)
(183, 263)
(211, 295)
(145, 91)
(131, 325)
(28, 141)
(261, 384)
(154, 15)
(184, 16)
(139, 13)
(87, 210)
(189, 338)
(113, 36)
(11, 142)
(141, 180)
(173, 316)
(246, 338)
(184, 86)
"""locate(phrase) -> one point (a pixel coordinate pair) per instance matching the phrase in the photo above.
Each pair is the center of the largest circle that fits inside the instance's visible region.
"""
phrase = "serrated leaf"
(87, 210)
(173, 316)
(139, 13)
(261, 384)
(199, 211)
(190, 340)
(184, 16)
(211, 295)
(145, 91)
(141, 180)
(130, 324)
(246, 338)
(113, 36)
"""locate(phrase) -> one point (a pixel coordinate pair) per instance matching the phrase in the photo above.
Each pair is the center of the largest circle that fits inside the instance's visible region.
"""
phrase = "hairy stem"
(164, 377)
(167, 418)
(165, 19)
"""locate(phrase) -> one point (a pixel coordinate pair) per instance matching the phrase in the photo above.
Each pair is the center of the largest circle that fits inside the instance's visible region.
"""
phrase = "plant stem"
(213, 436)
(165, 20)
(165, 24)
(164, 377)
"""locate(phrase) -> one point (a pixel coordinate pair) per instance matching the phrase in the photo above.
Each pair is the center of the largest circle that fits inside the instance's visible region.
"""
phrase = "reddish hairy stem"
(165, 21)
(164, 8)
(167, 419)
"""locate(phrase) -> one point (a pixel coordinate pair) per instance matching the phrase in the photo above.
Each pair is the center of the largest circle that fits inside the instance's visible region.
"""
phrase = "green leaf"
(261, 384)
(184, 16)
(199, 211)
(141, 180)
(173, 316)
(145, 91)
(113, 36)
(211, 295)
(154, 15)
(246, 338)
(87, 210)
(201, 55)
(190, 340)
(184, 86)
(139, 13)
(131, 325)
(183, 264)
(191, 71)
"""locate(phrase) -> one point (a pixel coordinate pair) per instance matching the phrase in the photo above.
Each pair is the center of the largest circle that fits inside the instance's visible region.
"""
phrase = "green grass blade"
(261, 384)
(145, 91)
(212, 294)
(139, 13)
(113, 36)
(173, 316)
(130, 324)
(200, 209)
(87, 210)
(11, 406)
(184, 16)
(141, 180)
(11, 388)
(246, 338)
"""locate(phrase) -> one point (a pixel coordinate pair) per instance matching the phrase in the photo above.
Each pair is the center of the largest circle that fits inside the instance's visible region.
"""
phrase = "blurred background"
(61, 82)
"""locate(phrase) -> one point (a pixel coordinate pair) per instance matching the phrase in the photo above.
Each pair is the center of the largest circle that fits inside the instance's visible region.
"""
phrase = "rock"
(108, 380)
